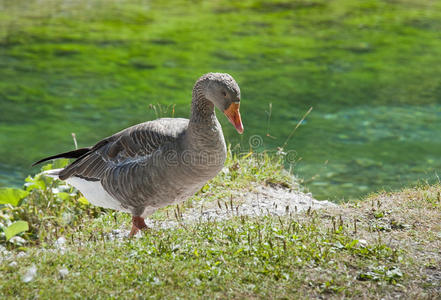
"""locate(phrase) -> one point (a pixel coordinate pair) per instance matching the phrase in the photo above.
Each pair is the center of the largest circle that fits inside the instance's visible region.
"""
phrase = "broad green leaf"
(36, 182)
(83, 200)
(58, 163)
(47, 167)
(12, 196)
(16, 228)
(63, 196)
(351, 245)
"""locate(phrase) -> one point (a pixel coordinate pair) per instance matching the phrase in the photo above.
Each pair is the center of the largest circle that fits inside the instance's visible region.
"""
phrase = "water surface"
(370, 69)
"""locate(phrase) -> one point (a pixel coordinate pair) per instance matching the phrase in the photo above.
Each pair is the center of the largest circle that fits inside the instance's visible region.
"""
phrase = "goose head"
(223, 91)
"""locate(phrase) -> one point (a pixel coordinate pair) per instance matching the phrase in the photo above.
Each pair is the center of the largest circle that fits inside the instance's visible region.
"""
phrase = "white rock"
(30, 274)
(362, 243)
(63, 272)
(21, 254)
(60, 242)
(13, 264)
(3, 250)
(16, 240)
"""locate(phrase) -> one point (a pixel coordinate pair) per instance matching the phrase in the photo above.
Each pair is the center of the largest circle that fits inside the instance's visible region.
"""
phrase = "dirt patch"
(262, 200)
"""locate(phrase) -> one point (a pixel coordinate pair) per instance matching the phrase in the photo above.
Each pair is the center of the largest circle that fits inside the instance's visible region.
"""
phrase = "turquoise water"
(370, 69)
(390, 147)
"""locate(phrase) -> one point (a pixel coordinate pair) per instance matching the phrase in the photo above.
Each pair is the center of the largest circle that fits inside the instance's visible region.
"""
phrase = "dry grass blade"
(297, 126)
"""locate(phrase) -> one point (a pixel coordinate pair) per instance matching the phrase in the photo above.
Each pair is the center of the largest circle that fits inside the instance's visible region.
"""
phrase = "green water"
(371, 70)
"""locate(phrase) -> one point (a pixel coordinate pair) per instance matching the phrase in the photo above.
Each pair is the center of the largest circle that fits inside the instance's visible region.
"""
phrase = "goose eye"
(224, 93)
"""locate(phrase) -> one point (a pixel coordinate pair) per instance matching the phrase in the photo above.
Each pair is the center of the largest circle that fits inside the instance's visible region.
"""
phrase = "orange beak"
(233, 114)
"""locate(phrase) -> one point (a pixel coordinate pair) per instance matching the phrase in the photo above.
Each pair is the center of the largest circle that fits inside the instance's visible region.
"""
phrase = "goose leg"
(137, 224)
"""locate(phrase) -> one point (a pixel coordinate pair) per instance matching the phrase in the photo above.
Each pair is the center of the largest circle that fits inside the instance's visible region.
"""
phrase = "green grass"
(369, 68)
(384, 246)
(262, 257)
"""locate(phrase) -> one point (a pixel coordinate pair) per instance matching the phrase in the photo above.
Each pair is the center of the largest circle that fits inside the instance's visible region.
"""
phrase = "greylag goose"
(157, 163)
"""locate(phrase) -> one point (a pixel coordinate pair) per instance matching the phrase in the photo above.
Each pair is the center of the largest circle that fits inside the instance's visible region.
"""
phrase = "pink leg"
(137, 224)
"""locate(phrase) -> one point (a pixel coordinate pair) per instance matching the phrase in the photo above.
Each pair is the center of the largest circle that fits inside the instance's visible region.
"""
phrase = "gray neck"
(202, 109)
(204, 134)
(204, 131)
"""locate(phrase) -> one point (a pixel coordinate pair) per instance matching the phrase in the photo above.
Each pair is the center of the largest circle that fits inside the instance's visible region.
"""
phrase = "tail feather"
(52, 173)
(70, 154)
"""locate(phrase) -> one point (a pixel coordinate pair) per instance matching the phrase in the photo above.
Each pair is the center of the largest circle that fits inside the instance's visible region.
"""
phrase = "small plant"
(41, 205)
(9, 198)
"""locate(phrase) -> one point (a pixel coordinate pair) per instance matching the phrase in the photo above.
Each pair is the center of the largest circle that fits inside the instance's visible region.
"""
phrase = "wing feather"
(136, 143)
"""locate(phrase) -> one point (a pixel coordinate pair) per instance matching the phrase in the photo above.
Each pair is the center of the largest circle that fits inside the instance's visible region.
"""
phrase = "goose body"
(157, 163)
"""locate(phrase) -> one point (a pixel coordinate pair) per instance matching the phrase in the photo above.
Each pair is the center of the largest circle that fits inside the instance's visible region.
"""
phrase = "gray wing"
(117, 161)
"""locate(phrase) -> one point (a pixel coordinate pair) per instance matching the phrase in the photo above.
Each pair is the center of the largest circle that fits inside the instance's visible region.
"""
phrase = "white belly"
(94, 192)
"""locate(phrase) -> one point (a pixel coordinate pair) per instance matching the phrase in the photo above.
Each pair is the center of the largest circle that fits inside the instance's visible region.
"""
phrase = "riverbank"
(219, 244)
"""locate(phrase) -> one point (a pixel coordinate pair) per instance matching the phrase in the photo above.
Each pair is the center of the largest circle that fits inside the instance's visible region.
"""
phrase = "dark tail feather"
(71, 154)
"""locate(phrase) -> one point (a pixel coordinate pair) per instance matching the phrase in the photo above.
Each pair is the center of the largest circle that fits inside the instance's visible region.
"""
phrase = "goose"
(157, 163)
